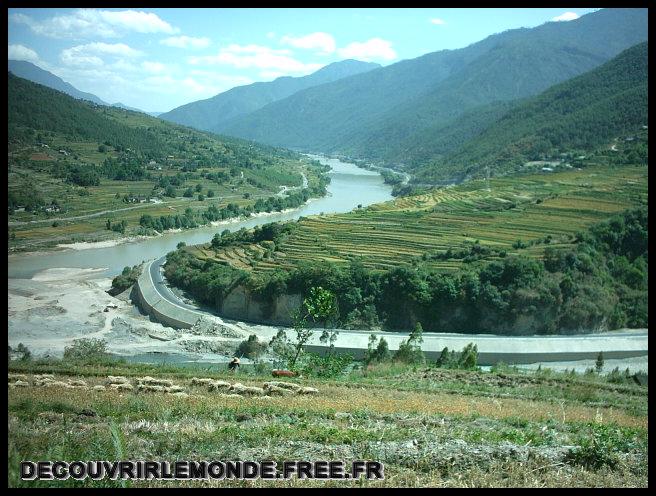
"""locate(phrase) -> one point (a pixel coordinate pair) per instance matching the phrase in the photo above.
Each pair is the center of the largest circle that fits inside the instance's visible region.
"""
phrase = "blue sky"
(158, 59)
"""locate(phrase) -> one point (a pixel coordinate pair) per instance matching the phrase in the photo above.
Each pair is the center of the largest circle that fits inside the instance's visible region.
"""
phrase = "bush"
(23, 351)
(601, 447)
(467, 359)
(330, 365)
(410, 350)
(126, 279)
(379, 353)
(251, 348)
(87, 350)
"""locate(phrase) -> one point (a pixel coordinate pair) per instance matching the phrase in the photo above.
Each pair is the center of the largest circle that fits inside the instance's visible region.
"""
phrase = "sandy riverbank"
(55, 307)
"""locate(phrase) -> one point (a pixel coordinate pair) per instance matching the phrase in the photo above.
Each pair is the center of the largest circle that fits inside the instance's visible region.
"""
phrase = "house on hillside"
(63, 152)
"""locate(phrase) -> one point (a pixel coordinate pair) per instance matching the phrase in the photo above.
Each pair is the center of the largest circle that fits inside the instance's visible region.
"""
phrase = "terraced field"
(527, 208)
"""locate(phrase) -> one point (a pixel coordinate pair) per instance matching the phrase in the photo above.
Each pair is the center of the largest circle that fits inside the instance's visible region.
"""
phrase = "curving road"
(492, 348)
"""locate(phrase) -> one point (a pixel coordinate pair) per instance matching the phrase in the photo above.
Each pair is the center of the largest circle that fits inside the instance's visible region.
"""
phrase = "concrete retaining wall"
(491, 348)
(163, 311)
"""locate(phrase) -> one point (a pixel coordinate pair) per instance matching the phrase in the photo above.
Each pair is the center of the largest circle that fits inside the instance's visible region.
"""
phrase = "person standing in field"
(234, 364)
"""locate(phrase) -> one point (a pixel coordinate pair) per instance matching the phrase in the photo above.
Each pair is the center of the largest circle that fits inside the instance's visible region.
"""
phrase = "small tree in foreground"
(377, 353)
(599, 364)
(467, 359)
(410, 350)
(320, 306)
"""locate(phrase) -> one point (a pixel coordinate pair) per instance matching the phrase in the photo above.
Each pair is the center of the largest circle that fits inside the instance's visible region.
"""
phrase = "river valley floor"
(48, 312)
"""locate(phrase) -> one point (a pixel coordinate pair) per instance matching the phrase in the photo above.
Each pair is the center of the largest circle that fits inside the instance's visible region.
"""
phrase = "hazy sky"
(158, 59)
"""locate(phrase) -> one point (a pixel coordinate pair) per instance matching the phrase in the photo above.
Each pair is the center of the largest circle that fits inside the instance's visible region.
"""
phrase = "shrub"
(410, 350)
(377, 354)
(23, 351)
(87, 350)
(330, 365)
(126, 279)
(251, 348)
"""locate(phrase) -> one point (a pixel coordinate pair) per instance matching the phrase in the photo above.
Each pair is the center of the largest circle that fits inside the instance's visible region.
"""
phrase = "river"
(350, 186)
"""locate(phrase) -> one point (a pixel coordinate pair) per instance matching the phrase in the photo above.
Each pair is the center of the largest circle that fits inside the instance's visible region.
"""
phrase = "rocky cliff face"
(241, 305)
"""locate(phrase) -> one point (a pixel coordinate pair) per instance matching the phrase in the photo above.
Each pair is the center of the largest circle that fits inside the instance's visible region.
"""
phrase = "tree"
(188, 192)
(320, 305)
(468, 357)
(210, 193)
(599, 364)
(410, 350)
(443, 359)
(26, 354)
(376, 353)
(170, 191)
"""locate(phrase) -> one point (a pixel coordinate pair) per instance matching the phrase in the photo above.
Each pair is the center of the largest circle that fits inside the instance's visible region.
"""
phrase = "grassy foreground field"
(411, 229)
(430, 427)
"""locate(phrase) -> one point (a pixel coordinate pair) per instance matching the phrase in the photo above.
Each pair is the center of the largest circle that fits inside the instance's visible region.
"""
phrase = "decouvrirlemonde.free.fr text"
(189, 470)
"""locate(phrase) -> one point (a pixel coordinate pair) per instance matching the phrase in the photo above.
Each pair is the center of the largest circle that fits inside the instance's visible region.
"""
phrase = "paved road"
(492, 348)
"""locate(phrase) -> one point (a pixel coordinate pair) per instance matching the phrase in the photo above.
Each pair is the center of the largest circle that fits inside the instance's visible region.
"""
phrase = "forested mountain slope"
(31, 72)
(382, 113)
(214, 113)
(580, 114)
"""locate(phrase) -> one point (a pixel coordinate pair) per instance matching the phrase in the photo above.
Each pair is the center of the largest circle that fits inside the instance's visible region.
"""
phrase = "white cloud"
(372, 49)
(89, 54)
(567, 16)
(256, 56)
(93, 22)
(438, 21)
(21, 52)
(323, 42)
(186, 42)
(271, 35)
(153, 67)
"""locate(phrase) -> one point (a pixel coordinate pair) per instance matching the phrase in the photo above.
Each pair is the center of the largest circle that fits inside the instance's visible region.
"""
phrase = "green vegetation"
(428, 426)
(580, 114)
(318, 306)
(125, 279)
(451, 259)
(398, 114)
(97, 170)
(410, 349)
(251, 347)
(87, 351)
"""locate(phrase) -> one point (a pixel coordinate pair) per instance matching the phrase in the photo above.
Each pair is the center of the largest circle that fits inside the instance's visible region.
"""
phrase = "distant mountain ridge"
(31, 72)
(388, 113)
(214, 114)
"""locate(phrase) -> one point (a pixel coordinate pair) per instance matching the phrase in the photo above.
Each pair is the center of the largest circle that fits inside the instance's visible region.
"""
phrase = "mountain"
(214, 113)
(126, 107)
(383, 113)
(29, 71)
(580, 114)
(35, 110)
